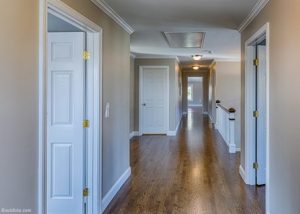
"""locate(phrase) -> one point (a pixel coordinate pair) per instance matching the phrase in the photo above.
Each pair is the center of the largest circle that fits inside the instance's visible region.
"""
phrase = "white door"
(154, 101)
(261, 120)
(65, 113)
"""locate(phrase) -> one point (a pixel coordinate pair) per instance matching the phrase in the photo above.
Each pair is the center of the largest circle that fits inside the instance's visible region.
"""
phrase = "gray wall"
(197, 92)
(204, 73)
(116, 85)
(228, 91)
(212, 93)
(132, 95)
(175, 98)
(284, 148)
(178, 94)
(18, 104)
(19, 99)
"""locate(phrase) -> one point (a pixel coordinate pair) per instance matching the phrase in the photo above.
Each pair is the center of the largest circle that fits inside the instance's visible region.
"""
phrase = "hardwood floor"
(190, 173)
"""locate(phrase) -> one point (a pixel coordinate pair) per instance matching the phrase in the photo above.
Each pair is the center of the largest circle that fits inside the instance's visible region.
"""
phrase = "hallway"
(190, 173)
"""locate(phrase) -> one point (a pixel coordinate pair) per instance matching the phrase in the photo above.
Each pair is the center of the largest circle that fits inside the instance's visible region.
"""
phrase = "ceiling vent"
(185, 40)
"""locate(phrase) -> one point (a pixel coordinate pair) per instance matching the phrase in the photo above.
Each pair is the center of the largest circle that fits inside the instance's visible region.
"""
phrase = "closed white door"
(65, 113)
(154, 100)
(261, 120)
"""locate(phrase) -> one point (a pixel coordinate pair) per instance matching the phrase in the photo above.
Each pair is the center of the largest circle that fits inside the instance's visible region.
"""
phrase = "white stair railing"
(225, 124)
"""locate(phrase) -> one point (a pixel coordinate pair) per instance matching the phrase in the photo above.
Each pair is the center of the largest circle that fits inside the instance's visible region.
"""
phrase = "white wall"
(228, 90)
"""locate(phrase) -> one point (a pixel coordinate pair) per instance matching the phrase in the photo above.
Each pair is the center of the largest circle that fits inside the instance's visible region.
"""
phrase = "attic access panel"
(185, 40)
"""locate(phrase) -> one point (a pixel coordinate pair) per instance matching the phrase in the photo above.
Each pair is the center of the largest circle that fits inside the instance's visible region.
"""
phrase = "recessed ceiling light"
(196, 67)
(197, 57)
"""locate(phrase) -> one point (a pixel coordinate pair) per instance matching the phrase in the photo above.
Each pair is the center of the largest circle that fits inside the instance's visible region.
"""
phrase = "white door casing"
(261, 120)
(65, 113)
(154, 99)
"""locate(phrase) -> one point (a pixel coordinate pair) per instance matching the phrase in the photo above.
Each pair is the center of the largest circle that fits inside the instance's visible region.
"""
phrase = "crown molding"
(254, 12)
(114, 15)
(132, 55)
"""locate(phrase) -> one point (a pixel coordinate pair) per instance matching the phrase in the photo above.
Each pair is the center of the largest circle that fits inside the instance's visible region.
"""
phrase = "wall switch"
(107, 110)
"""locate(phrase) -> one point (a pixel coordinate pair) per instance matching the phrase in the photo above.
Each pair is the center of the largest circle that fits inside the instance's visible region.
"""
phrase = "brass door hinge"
(256, 114)
(85, 192)
(256, 62)
(86, 55)
(85, 123)
(255, 165)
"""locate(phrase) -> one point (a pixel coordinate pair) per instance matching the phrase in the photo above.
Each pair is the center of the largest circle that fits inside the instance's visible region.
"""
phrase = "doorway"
(69, 111)
(195, 92)
(154, 100)
(257, 109)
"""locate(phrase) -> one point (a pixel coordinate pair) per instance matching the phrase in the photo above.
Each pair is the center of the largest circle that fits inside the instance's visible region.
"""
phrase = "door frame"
(94, 100)
(167, 100)
(249, 175)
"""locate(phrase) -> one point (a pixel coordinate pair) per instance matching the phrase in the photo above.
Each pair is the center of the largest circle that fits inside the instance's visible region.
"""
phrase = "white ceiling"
(220, 20)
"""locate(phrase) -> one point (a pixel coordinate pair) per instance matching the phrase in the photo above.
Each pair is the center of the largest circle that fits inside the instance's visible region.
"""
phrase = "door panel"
(65, 113)
(154, 100)
(261, 120)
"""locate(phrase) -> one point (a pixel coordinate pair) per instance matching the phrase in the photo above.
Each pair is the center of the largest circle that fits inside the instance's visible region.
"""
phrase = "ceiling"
(219, 19)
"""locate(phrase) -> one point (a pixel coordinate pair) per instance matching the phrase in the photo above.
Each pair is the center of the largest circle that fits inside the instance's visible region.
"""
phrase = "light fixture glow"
(197, 57)
(196, 67)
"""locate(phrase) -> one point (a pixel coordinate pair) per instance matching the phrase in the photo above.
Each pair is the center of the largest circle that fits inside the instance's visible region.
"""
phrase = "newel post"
(232, 146)
(217, 114)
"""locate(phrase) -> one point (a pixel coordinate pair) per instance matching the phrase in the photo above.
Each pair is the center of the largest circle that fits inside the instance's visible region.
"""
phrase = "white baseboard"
(174, 133)
(231, 148)
(114, 190)
(242, 173)
(133, 134)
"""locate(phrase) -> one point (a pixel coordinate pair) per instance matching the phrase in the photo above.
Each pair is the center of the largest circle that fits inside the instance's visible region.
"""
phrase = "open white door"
(154, 100)
(261, 120)
(65, 113)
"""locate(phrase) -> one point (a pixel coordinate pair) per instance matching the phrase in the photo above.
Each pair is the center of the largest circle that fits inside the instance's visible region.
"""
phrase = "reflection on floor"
(190, 173)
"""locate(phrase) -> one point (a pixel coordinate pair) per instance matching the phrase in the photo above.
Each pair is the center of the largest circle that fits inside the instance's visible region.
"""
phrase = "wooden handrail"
(230, 110)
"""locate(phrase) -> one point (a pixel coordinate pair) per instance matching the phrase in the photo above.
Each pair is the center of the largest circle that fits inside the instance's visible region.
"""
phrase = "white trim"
(242, 172)
(174, 133)
(167, 100)
(133, 134)
(114, 15)
(259, 6)
(231, 148)
(67, 13)
(115, 189)
(249, 150)
(41, 109)
(132, 55)
(94, 32)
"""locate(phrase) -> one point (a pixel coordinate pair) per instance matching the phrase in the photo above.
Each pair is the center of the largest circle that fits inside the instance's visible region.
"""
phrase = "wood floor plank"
(190, 173)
